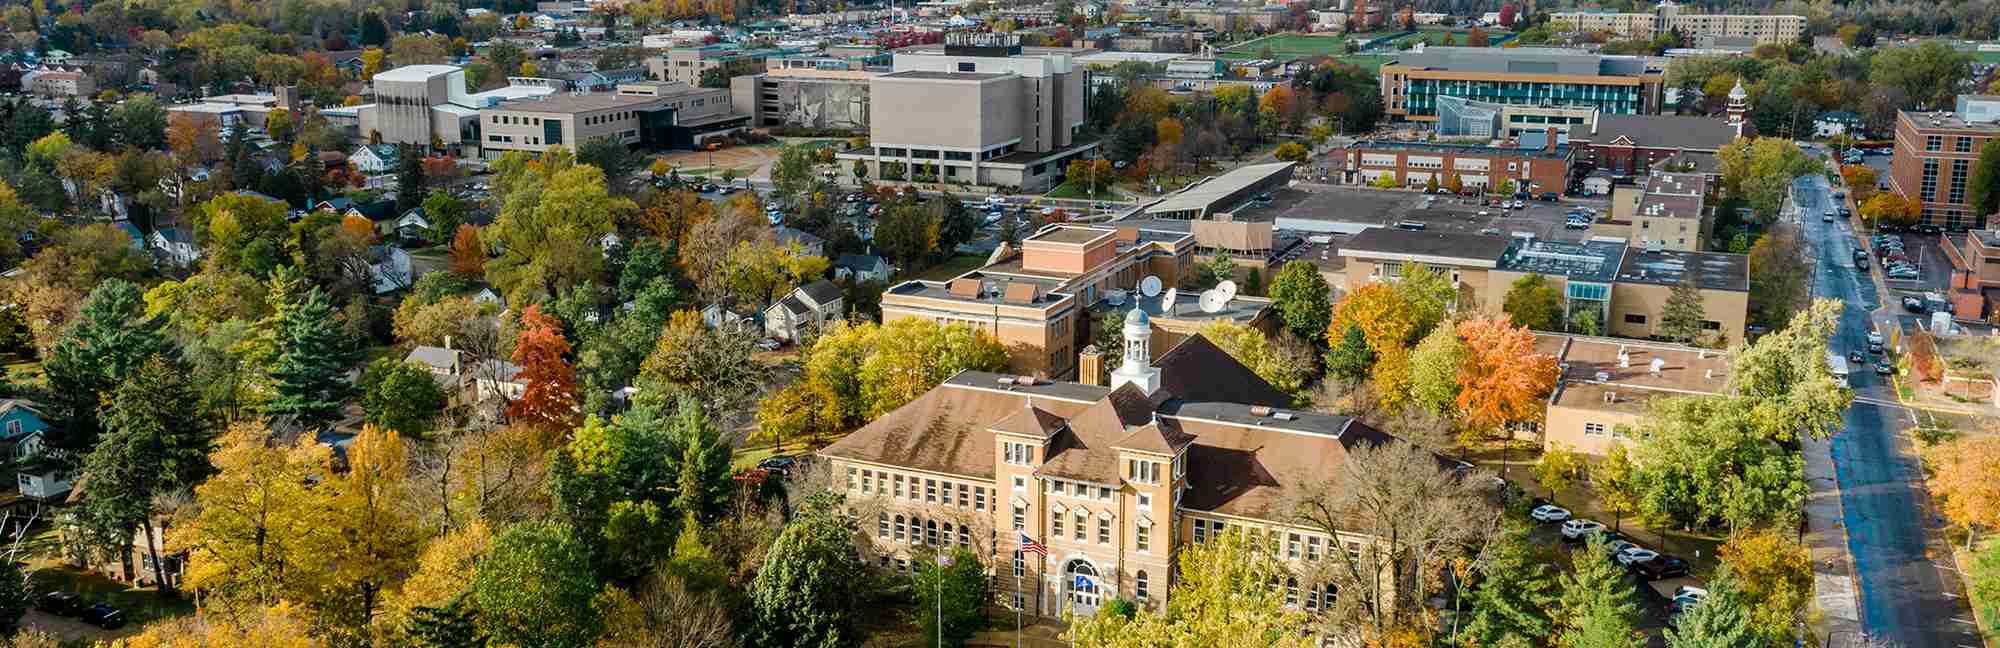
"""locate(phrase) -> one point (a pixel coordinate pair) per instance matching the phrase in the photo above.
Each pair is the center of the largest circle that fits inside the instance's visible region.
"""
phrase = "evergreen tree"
(453, 625)
(111, 338)
(14, 597)
(1351, 358)
(1597, 608)
(409, 178)
(809, 590)
(698, 458)
(1680, 319)
(1514, 594)
(1985, 185)
(243, 173)
(309, 377)
(1720, 621)
(1303, 300)
(156, 441)
(373, 31)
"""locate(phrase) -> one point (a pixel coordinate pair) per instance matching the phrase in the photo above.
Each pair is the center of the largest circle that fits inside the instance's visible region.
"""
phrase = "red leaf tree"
(1505, 378)
(468, 255)
(549, 402)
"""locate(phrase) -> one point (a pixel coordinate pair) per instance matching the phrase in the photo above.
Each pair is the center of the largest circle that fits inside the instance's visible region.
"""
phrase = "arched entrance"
(1082, 586)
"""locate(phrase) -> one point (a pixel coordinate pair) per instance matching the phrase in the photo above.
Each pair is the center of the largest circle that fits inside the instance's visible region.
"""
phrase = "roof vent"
(1260, 411)
(1708, 374)
(1283, 416)
(1610, 397)
(1603, 376)
(1658, 364)
(1027, 380)
(1624, 357)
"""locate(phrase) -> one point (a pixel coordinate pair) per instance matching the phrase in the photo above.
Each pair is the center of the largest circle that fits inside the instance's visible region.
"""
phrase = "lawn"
(952, 267)
(1076, 191)
(21, 369)
(1289, 45)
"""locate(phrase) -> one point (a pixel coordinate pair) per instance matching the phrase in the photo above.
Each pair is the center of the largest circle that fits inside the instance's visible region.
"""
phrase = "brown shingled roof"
(1197, 370)
(1031, 421)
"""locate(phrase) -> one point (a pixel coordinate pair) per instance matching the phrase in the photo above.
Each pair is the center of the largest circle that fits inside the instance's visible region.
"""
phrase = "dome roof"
(1138, 317)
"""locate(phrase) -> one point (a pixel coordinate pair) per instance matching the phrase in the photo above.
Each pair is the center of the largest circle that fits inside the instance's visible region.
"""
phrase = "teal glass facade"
(1422, 94)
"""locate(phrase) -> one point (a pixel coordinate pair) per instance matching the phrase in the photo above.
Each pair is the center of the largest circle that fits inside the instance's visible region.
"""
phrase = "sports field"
(1288, 46)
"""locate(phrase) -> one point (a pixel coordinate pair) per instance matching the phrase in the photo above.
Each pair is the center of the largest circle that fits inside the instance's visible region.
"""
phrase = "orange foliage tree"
(1965, 478)
(358, 227)
(1505, 379)
(468, 255)
(549, 403)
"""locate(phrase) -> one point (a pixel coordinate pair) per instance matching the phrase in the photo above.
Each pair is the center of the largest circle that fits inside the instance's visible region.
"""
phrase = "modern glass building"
(1413, 83)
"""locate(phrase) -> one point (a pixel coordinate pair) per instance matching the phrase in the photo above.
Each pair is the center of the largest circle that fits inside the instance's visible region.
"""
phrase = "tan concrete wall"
(1729, 308)
(1564, 426)
(944, 113)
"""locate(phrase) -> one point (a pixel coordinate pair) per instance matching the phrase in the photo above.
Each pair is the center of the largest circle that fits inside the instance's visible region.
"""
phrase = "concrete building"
(55, 82)
(427, 104)
(1935, 153)
(1647, 278)
(224, 111)
(1112, 480)
(1034, 297)
(1478, 167)
(804, 98)
(1670, 210)
(1619, 85)
(652, 115)
(1608, 385)
(685, 64)
(1700, 27)
(980, 111)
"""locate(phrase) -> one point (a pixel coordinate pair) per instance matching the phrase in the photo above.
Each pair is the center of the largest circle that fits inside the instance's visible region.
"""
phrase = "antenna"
(1167, 302)
(1213, 301)
(1227, 289)
(1150, 286)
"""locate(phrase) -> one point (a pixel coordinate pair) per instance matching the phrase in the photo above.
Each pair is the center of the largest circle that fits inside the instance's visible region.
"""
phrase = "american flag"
(1029, 546)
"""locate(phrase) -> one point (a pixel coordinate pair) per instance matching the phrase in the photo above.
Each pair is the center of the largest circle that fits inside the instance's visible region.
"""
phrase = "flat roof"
(1683, 368)
(1711, 270)
(993, 289)
(1203, 196)
(1377, 242)
(1070, 234)
(1523, 60)
(1581, 261)
(945, 76)
(1114, 58)
(1561, 151)
(1186, 307)
(415, 72)
(572, 104)
(1946, 119)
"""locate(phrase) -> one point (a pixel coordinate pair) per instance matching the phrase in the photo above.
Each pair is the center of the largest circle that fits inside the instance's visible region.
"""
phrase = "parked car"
(1913, 304)
(1549, 513)
(1686, 597)
(1577, 529)
(1857, 357)
(1619, 545)
(1550, 196)
(103, 615)
(778, 465)
(1659, 568)
(1635, 555)
(768, 344)
(59, 603)
(1883, 369)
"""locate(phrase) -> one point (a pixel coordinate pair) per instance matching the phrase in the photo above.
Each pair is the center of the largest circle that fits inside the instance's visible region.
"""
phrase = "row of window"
(1935, 143)
(1081, 527)
(1296, 545)
(512, 120)
(929, 491)
(606, 118)
(916, 530)
(509, 139)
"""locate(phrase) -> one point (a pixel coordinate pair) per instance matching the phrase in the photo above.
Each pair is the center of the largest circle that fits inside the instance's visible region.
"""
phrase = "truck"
(1838, 367)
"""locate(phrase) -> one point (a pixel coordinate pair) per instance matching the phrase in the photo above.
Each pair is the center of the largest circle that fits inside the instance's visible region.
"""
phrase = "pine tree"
(309, 378)
(454, 625)
(242, 172)
(111, 338)
(699, 459)
(1351, 358)
(156, 441)
(1515, 593)
(1720, 621)
(1680, 319)
(409, 178)
(1597, 608)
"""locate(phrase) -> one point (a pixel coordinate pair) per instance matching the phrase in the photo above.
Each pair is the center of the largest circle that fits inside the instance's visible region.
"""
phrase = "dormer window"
(1018, 454)
(1143, 472)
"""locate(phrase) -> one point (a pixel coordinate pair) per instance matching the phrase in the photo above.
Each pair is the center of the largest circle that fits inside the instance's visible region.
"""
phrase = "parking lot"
(1655, 595)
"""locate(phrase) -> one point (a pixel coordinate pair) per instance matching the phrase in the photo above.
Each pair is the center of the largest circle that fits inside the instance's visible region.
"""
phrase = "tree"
(1303, 299)
(697, 458)
(1785, 378)
(806, 592)
(549, 401)
(1779, 276)
(1597, 608)
(376, 541)
(156, 442)
(1697, 460)
(1860, 178)
(535, 588)
(110, 340)
(400, 396)
(553, 215)
(1477, 38)
(1985, 185)
(792, 174)
(611, 155)
(861, 371)
(1559, 469)
(1681, 319)
(419, 49)
(1891, 208)
(1928, 73)
(1760, 170)
(1227, 591)
(1434, 369)
(1423, 517)
(1283, 367)
(274, 626)
(468, 254)
(1774, 573)
(1963, 471)
(141, 122)
(1387, 319)
(1514, 595)
(1291, 152)
(1532, 302)
(308, 378)
(1720, 621)
(1505, 379)
(955, 584)
(15, 598)
(256, 529)
(1350, 357)
(711, 363)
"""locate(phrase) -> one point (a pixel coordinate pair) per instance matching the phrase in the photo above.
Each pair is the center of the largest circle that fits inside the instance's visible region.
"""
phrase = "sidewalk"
(1826, 539)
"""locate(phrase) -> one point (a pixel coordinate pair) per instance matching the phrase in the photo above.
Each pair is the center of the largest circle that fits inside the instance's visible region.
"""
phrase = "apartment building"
(1540, 164)
(1622, 289)
(59, 83)
(685, 64)
(1700, 27)
(1113, 480)
(1935, 153)
(981, 110)
(653, 115)
(1608, 385)
(1620, 85)
(804, 98)
(1670, 210)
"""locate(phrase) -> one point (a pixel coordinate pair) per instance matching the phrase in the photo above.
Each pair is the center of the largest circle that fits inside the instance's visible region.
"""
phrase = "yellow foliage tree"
(274, 626)
(1227, 593)
(1967, 477)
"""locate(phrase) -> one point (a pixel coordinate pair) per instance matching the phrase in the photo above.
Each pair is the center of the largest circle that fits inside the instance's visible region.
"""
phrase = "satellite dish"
(1116, 297)
(1150, 286)
(1227, 289)
(1212, 301)
(1167, 302)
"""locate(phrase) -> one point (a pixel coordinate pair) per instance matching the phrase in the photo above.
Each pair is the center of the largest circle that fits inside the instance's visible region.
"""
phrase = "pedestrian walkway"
(1826, 539)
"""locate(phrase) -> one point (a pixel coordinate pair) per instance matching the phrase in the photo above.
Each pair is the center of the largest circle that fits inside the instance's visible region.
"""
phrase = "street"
(1906, 596)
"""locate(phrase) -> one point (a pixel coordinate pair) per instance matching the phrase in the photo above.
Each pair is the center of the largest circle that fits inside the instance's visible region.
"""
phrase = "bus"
(1838, 366)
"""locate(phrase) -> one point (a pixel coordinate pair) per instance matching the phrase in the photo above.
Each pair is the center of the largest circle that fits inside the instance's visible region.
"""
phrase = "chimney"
(1549, 146)
(1090, 366)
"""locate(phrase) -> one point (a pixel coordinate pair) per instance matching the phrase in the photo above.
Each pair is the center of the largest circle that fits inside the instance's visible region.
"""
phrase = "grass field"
(1077, 192)
(1289, 45)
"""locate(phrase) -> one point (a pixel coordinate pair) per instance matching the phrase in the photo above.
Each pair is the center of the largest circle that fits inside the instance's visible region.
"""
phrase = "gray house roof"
(821, 292)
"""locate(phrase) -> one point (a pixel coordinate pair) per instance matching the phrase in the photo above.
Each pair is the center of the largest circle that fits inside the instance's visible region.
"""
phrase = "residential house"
(813, 245)
(389, 268)
(1839, 122)
(861, 268)
(23, 430)
(374, 158)
(175, 245)
(722, 319)
(808, 308)
(413, 226)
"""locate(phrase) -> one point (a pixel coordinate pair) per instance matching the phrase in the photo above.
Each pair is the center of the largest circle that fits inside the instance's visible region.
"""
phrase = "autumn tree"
(374, 541)
(1890, 208)
(553, 214)
(1963, 476)
(1559, 469)
(535, 588)
(549, 402)
(1860, 179)
(255, 532)
(468, 254)
(280, 625)
(1505, 378)
(1775, 575)
(1761, 171)
(711, 363)
(861, 371)
(1434, 370)
(1226, 591)
(1598, 607)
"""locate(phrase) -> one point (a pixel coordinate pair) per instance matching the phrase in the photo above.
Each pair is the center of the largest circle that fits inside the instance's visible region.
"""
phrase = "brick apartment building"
(1974, 288)
(1532, 167)
(1935, 153)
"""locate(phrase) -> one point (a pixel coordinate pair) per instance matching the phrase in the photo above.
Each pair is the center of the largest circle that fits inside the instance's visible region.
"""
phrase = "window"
(1144, 472)
(1056, 486)
(930, 491)
(1593, 429)
(1635, 318)
(1082, 518)
(945, 496)
(1961, 145)
(1312, 548)
(882, 525)
(964, 536)
(1103, 530)
(1020, 483)
(853, 479)
(1104, 493)
(1055, 524)
(1200, 531)
(1018, 453)
(1145, 502)
(1711, 325)
(931, 533)
(867, 482)
(1291, 591)
(899, 487)
(979, 499)
(1020, 569)
(1020, 518)
(900, 528)
(1139, 585)
(965, 67)
(964, 498)
(1292, 546)
(1143, 539)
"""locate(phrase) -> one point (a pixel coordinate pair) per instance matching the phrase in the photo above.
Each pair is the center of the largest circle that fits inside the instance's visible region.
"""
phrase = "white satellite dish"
(1150, 286)
(1116, 297)
(1167, 302)
(1212, 301)
(1227, 289)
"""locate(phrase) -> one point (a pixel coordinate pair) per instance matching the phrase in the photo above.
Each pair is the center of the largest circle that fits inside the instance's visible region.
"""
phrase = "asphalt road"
(1906, 597)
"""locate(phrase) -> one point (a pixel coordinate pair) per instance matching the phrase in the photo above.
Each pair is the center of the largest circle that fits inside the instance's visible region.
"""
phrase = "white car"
(1619, 546)
(1574, 529)
(1636, 555)
(1549, 513)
